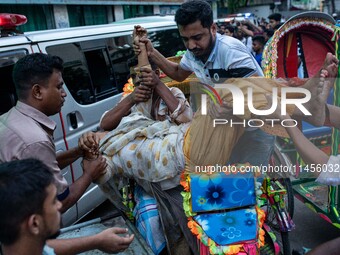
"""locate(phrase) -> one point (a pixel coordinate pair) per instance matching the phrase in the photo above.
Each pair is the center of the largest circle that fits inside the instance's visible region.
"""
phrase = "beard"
(203, 55)
(55, 235)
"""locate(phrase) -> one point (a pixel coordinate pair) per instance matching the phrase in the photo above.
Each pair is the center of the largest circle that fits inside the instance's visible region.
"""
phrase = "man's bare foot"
(319, 86)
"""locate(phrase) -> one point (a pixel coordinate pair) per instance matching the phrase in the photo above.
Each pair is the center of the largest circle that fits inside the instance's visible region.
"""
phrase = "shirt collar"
(213, 53)
(35, 114)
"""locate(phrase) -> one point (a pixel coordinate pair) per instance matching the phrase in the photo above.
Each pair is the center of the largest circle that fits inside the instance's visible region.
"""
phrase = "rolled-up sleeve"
(44, 152)
(183, 113)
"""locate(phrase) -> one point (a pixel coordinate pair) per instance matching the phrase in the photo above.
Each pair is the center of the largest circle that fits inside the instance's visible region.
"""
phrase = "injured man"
(152, 136)
(150, 149)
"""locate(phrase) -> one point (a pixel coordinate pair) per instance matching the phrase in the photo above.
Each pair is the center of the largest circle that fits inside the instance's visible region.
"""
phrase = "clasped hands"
(146, 82)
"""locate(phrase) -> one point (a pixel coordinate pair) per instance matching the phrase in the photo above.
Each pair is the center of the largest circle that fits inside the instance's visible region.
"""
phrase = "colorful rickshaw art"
(303, 41)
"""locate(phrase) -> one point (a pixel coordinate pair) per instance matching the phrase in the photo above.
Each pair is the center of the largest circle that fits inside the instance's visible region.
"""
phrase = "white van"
(95, 72)
(239, 17)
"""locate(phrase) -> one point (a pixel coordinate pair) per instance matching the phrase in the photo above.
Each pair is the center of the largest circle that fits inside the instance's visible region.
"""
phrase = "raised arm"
(179, 108)
(171, 69)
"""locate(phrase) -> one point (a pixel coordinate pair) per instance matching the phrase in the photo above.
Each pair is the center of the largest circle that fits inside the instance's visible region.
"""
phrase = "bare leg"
(319, 86)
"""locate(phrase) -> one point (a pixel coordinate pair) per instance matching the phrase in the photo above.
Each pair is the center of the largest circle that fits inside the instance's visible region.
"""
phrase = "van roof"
(74, 32)
(236, 17)
(146, 19)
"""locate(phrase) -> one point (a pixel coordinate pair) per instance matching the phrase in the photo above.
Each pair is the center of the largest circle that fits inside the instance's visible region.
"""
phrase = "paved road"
(311, 230)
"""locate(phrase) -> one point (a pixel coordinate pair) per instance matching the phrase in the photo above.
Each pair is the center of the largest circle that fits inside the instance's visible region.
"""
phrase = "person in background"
(258, 45)
(256, 29)
(275, 21)
(229, 30)
(221, 29)
(268, 33)
(244, 34)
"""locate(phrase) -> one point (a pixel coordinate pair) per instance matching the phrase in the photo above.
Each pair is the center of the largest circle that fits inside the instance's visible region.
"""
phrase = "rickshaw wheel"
(283, 178)
(285, 243)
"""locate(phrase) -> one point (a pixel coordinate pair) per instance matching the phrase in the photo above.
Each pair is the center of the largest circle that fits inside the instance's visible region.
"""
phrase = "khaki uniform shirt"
(26, 132)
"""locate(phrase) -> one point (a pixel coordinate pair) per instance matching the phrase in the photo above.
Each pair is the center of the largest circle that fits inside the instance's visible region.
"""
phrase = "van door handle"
(73, 120)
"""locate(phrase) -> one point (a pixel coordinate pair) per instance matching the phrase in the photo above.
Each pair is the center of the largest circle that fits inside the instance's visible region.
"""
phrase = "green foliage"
(234, 5)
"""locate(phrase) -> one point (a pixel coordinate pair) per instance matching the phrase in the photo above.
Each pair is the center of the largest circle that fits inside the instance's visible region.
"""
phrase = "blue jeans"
(254, 147)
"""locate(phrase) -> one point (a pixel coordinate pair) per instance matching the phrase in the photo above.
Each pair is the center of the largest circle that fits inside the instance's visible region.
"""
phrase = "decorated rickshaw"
(236, 224)
(298, 49)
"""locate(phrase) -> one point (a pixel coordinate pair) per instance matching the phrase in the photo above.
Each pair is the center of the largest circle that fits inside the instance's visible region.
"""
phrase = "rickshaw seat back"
(306, 37)
(315, 50)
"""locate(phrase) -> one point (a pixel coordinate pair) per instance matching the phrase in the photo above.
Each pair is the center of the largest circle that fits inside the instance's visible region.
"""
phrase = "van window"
(97, 69)
(168, 42)
(88, 70)
(8, 95)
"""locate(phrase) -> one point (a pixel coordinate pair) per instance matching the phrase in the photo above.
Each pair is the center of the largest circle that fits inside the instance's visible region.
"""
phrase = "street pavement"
(311, 230)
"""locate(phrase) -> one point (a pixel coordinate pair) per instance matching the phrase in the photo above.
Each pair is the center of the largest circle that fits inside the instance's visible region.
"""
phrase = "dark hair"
(230, 28)
(275, 16)
(269, 32)
(23, 186)
(259, 38)
(32, 69)
(194, 10)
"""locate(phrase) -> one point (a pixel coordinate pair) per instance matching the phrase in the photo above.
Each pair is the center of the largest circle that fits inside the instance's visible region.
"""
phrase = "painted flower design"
(201, 201)
(204, 224)
(244, 189)
(205, 179)
(215, 194)
(249, 222)
(250, 214)
(205, 216)
(232, 233)
(230, 220)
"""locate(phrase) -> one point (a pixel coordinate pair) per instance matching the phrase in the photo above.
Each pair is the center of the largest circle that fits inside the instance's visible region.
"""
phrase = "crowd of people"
(253, 36)
(152, 116)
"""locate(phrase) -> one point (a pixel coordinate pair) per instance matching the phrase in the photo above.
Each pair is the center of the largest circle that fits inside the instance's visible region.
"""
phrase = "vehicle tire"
(285, 243)
(289, 199)
(283, 178)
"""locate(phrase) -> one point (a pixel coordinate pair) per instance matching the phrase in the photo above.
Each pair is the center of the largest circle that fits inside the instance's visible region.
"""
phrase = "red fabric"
(316, 42)
(291, 56)
(204, 250)
(315, 60)
(287, 57)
